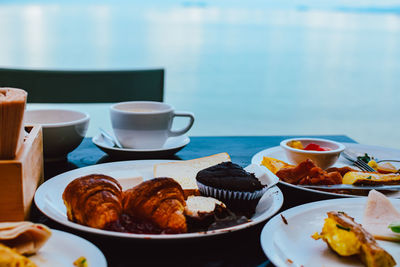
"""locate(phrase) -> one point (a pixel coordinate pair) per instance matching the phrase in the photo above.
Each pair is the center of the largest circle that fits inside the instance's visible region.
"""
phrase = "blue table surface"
(240, 248)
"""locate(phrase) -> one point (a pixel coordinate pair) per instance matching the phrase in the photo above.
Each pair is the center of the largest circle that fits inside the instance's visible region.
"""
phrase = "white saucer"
(173, 145)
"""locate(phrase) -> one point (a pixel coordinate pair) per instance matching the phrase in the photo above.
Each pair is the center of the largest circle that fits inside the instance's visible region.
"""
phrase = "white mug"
(145, 124)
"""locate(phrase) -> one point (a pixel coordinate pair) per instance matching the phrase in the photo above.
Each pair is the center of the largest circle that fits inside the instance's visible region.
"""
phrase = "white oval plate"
(171, 146)
(284, 244)
(62, 249)
(48, 198)
(378, 152)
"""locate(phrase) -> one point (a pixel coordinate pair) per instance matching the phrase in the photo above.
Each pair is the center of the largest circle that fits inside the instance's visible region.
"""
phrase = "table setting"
(147, 194)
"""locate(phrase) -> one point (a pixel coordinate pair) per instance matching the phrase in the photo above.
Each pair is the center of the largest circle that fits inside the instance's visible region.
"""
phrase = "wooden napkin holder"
(20, 177)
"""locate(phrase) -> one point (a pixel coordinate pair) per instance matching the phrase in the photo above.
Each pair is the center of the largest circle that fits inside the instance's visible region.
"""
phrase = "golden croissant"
(93, 200)
(160, 201)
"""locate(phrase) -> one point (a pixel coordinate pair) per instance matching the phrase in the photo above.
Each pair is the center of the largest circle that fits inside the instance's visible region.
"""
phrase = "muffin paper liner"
(229, 194)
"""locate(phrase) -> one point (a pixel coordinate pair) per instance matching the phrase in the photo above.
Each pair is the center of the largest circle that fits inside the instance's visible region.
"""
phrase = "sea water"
(242, 67)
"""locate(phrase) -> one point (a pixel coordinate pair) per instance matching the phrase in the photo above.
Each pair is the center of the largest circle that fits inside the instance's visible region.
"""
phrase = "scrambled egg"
(339, 238)
(10, 257)
(370, 178)
(347, 238)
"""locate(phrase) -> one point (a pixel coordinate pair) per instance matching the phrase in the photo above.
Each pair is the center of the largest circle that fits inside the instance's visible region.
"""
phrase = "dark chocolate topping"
(230, 176)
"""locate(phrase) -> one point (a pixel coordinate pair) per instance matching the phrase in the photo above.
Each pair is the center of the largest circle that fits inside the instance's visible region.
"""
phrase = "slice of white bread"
(379, 213)
(127, 178)
(184, 172)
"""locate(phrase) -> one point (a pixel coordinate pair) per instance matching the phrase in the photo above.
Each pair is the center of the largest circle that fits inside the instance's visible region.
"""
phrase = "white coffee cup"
(145, 124)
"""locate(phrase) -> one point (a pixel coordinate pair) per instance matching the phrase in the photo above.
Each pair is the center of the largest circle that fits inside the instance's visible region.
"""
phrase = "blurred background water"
(243, 67)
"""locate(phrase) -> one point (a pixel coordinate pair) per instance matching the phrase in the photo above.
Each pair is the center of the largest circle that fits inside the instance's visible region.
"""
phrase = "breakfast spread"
(209, 193)
(347, 238)
(161, 205)
(21, 239)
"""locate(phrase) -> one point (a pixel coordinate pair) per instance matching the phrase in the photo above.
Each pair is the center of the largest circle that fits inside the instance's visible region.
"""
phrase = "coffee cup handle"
(185, 129)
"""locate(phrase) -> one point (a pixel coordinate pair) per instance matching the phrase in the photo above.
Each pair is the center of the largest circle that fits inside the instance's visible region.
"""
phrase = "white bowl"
(63, 130)
(323, 159)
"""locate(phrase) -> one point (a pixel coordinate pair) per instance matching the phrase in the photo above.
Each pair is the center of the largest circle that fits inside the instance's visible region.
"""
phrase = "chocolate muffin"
(231, 184)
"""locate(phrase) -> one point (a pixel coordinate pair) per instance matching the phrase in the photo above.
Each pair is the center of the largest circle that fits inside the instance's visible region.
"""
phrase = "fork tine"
(364, 166)
(367, 166)
(358, 165)
(347, 156)
(358, 162)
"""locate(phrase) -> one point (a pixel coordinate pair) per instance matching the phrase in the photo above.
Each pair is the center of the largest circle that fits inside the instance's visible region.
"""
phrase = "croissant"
(160, 201)
(93, 200)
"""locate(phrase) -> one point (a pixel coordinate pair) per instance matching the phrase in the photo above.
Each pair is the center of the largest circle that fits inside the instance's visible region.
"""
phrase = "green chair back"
(46, 86)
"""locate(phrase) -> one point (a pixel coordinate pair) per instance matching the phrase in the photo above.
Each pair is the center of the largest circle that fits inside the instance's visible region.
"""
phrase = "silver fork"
(357, 162)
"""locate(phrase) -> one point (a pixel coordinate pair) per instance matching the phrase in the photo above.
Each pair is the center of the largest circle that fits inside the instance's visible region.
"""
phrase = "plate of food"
(337, 232)
(124, 200)
(300, 172)
(29, 244)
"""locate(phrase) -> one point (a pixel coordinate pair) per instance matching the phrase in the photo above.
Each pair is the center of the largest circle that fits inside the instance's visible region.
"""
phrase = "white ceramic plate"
(378, 152)
(48, 198)
(171, 146)
(62, 249)
(292, 242)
